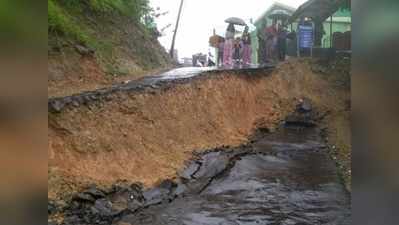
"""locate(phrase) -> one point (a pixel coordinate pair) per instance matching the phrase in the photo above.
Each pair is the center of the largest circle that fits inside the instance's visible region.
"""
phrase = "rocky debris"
(189, 171)
(97, 206)
(159, 194)
(212, 164)
(51, 208)
(304, 115)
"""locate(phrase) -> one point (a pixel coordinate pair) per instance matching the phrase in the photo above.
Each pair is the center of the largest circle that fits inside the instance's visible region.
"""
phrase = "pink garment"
(228, 52)
(246, 54)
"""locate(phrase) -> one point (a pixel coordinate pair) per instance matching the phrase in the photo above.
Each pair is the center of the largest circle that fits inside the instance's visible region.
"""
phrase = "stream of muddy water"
(281, 178)
(285, 177)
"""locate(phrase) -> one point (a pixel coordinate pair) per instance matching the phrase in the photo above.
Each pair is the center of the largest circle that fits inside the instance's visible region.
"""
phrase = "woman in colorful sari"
(246, 51)
(229, 45)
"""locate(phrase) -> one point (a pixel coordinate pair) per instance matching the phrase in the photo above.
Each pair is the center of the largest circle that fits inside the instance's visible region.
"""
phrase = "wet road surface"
(180, 75)
(281, 178)
(189, 72)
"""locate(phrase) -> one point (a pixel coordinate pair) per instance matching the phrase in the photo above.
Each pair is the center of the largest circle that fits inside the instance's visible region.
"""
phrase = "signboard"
(305, 36)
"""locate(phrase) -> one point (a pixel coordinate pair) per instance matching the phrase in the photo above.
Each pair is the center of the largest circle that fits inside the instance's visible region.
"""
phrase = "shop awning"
(317, 9)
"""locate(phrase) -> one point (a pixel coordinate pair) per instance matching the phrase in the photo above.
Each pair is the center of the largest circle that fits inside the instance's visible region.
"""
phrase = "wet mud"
(285, 177)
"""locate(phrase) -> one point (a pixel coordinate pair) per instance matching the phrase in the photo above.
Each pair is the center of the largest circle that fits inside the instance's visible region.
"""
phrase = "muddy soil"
(286, 177)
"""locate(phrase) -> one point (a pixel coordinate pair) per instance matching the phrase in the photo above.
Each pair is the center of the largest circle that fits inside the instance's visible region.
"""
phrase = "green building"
(340, 21)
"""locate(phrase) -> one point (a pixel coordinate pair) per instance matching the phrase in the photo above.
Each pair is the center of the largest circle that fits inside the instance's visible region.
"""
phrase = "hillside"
(95, 43)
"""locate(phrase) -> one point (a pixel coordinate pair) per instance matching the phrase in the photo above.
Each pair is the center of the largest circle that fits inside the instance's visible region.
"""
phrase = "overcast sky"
(200, 17)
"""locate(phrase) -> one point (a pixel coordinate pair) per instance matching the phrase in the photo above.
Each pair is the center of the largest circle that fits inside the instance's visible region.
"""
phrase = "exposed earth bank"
(146, 136)
(93, 44)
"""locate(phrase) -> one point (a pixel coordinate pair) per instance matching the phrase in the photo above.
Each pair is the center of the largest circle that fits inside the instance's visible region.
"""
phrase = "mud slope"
(145, 136)
(91, 47)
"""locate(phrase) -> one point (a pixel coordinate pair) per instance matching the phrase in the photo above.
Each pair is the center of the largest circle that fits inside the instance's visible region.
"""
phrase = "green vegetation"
(116, 30)
(61, 21)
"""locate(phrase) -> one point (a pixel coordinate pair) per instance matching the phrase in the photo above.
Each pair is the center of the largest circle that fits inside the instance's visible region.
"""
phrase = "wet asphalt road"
(175, 76)
(284, 178)
(189, 72)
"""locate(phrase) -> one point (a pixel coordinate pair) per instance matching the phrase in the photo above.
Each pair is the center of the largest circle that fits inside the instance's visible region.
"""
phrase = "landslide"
(96, 43)
(147, 136)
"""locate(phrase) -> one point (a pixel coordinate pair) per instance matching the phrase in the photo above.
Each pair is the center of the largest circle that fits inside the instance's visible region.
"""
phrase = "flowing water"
(281, 178)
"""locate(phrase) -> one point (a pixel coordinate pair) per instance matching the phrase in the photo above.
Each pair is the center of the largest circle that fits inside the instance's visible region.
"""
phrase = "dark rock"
(83, 50)
(56, 105)
(51, 207)
(167, 184)
(75, 103)
(72, 220)
(158, 194)
(104, 207)
(67, 100)
(189, 171)
(95, 192)
(127, 198)
(82, 197)
(302, 120)
(179, 190)
(212, 164)
(304, 106)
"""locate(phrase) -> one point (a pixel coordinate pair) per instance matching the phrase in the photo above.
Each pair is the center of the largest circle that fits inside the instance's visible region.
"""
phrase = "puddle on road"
(282, 178)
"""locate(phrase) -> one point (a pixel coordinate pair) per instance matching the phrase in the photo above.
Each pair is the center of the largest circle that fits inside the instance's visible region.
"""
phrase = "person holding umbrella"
(246, 42)
(229, 45)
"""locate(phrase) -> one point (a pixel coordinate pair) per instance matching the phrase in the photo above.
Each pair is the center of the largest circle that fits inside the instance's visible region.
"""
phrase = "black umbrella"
(279, 14)
(236, 20)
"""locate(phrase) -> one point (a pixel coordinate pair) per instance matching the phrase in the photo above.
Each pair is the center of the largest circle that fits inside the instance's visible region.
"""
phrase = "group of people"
(233, 50)
(273, 43)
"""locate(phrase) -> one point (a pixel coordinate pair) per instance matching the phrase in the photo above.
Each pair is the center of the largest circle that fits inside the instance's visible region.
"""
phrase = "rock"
(158, 194)
(304, 106)
(212, 164)
(51, 208)
(167, 184)
(56, 105)
(179, 190)
(104, 207)
(95, 192)
(75, 103)
(189, 171)
(83, 50)
(84, 197)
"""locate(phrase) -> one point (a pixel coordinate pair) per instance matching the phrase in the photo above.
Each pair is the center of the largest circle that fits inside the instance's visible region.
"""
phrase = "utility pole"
(172, 48)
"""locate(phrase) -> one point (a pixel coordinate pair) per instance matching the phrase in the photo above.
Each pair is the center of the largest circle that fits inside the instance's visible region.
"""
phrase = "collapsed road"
(277, 177)
(181, 75)
(285, 177)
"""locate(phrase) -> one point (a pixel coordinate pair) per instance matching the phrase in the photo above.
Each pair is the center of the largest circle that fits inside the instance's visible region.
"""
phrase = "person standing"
(260, 33)
(246, 52)
(220, 52)
(271, 42)
(282, 42)
(237, 51)
(228, 46)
